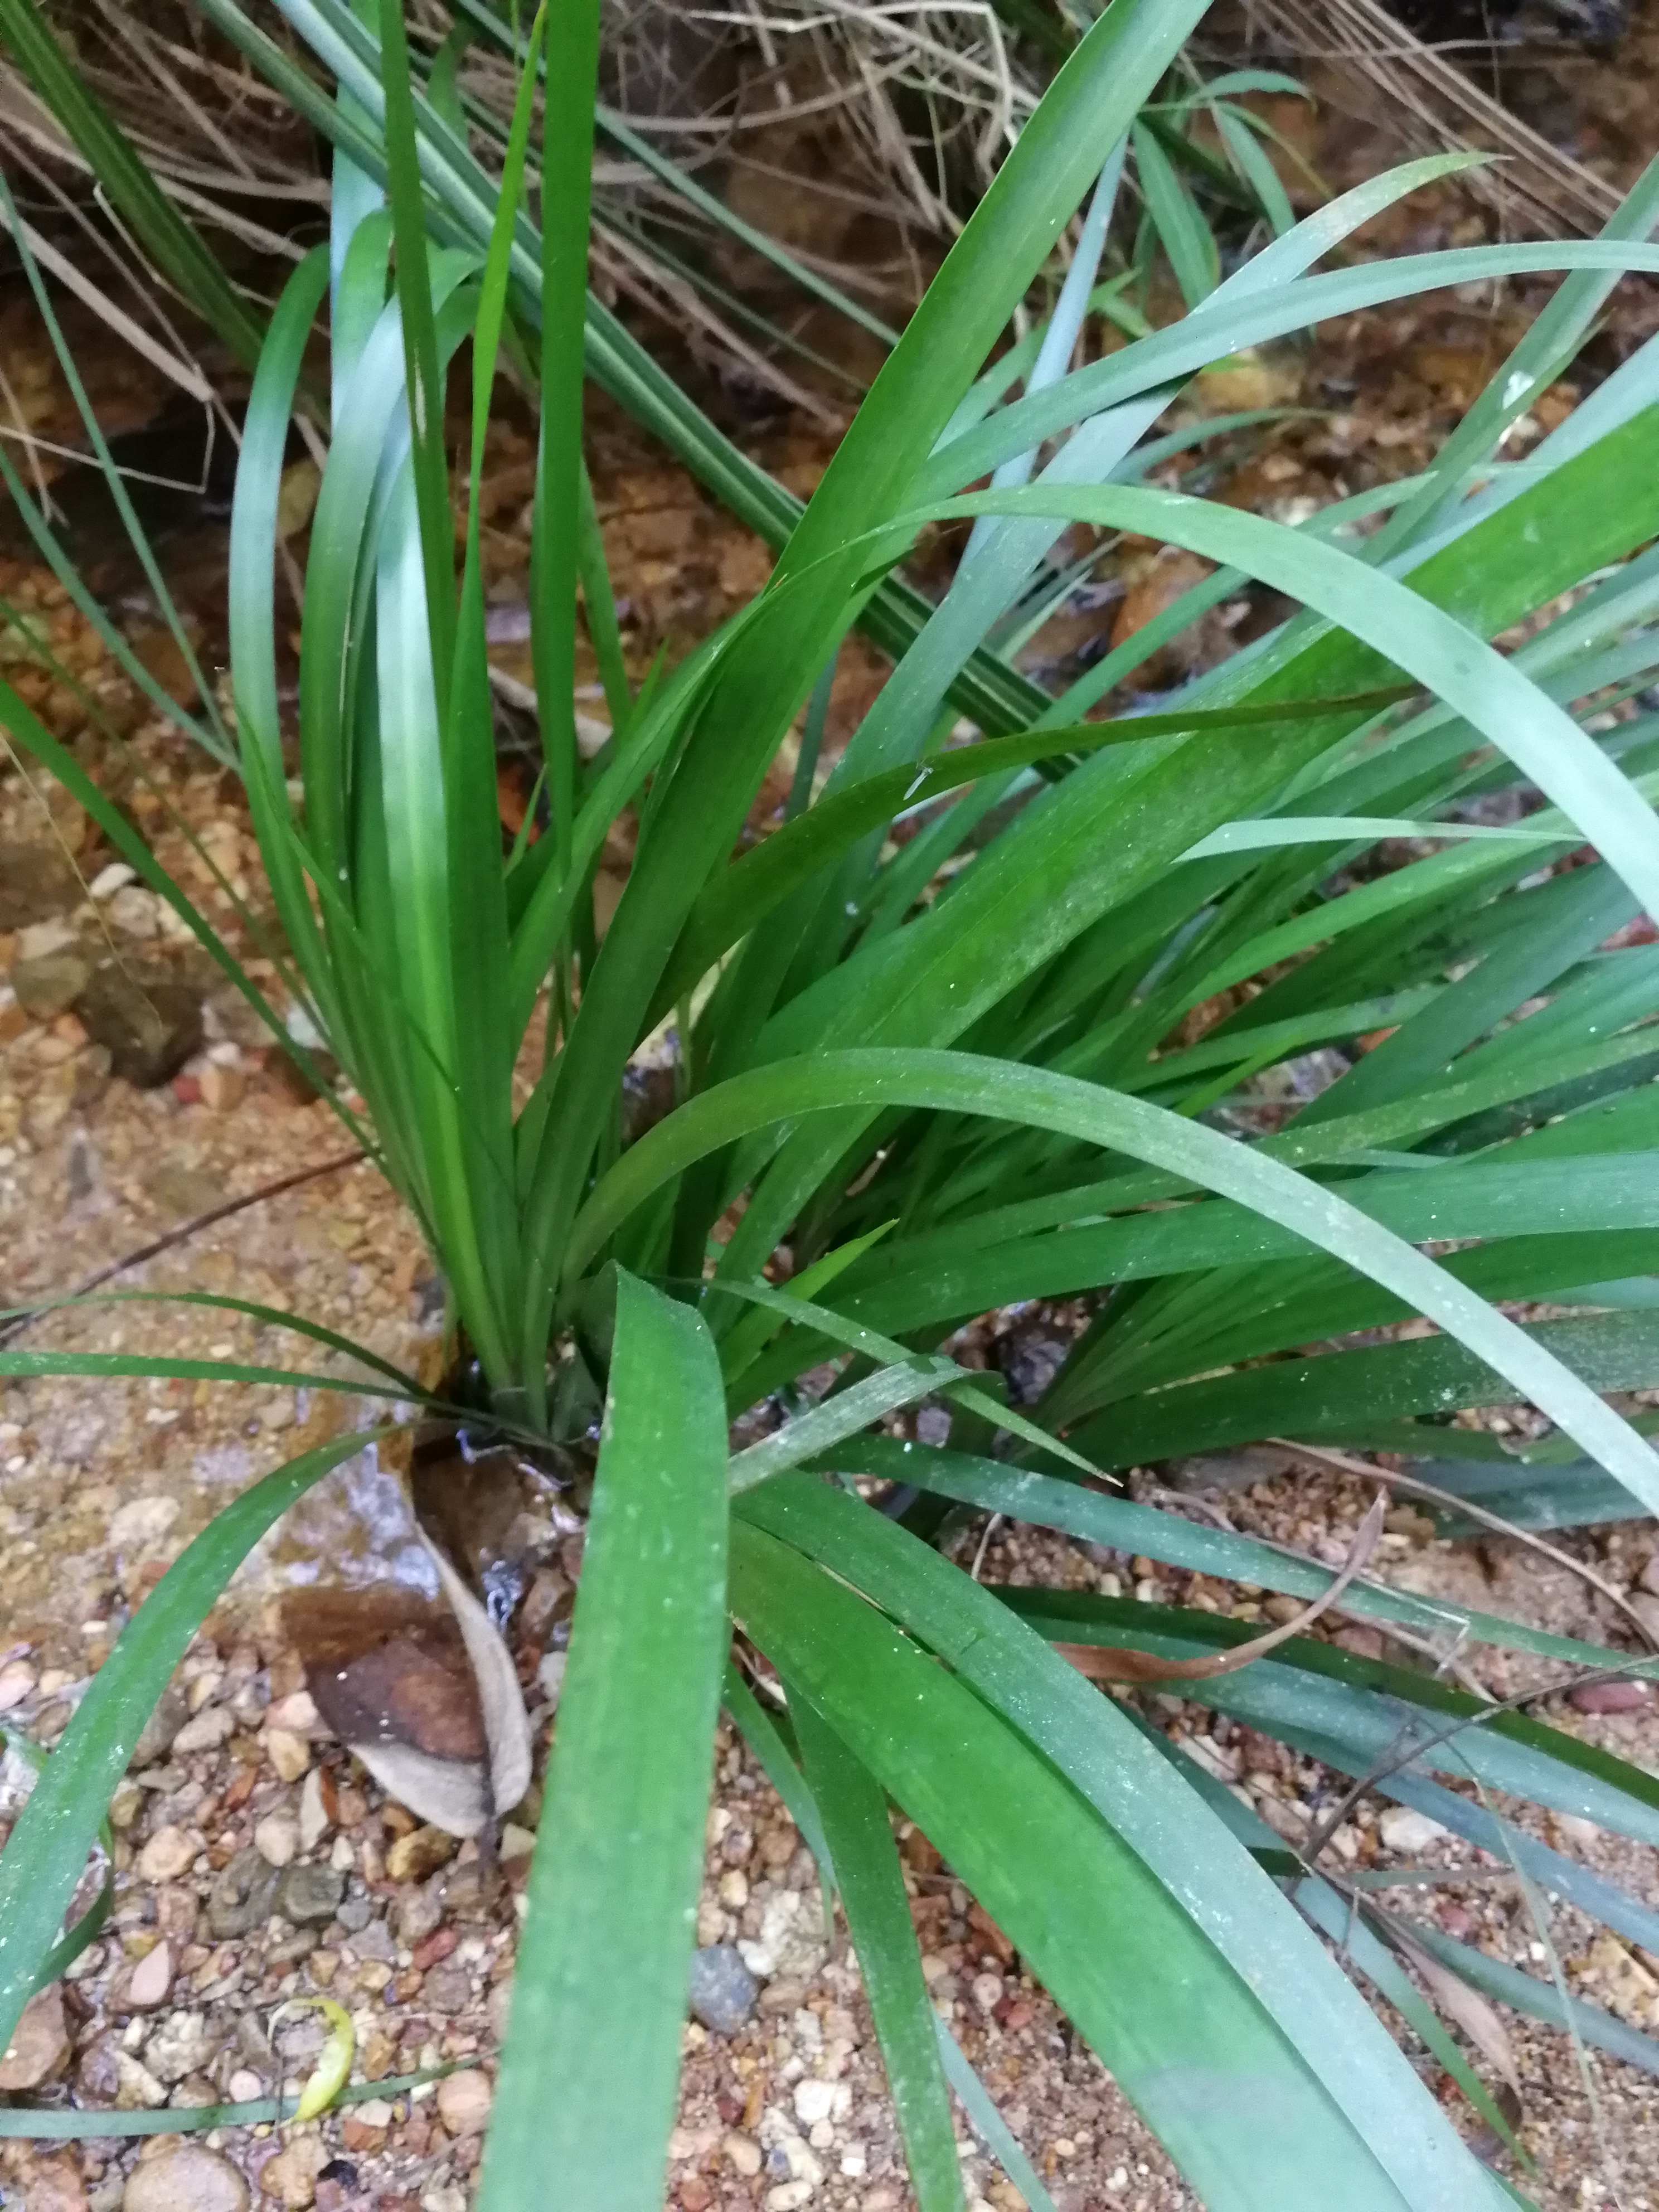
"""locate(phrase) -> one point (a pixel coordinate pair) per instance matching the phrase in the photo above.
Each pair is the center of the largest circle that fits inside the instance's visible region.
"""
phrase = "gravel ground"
(255, 1862)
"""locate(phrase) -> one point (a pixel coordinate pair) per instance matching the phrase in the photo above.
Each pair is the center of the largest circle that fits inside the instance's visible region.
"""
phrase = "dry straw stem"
(896, 113)
(1433, 105)
(875, 123)
(1342, 1463)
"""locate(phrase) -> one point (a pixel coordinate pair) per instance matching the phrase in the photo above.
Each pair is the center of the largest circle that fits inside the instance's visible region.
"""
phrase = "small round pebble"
(212, 1726)
(447, 1989)
(151, 1978)
(291, 2176)
(309, 1895)
(464, 2102)
(1609, 1696)
(722, 1990)
(744, 2153)
(167, 1854)
(1402, 1830)
(142, 1520)
(240, 1896)
(189, 2180)
(276, 1838)
(288, 1753)
(813, 2100)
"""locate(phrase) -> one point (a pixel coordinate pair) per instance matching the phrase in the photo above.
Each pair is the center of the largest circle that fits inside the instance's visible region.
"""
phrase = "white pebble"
(276, 1838)
(142, 1520)
(1402, 1830)
(745, 2154)
(136, 913)
(813, 2102)
(314, 1823)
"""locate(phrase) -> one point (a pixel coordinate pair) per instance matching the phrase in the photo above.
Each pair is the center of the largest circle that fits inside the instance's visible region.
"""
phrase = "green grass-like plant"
(942, 1071)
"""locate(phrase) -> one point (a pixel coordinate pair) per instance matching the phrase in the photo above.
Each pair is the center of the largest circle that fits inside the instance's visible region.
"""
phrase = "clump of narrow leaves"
(941, 1070)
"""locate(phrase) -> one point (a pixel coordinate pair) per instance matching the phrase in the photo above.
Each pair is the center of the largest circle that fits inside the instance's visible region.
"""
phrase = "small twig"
(1393, 1761)
(1343, 1464)
(185, 1230)
(1181, 1501)
(1154, 1493)
(1540, 1918)
(1444, 1662)
(991, 1527)
(1116, 1663)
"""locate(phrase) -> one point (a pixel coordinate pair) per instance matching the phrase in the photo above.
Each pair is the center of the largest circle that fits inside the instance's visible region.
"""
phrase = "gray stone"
(143, 1522)
(182, 1191)
(149, 1027)
(447, 1988)
(309, 1896)
(1228, 1470)
(723, 1990)
(355, 1915)
(1030, 1362)
(292, 1948)
(49, 985)
(240, 1899)
(97, 2077)
(178, 2046)
(417, 1914)
(166, 1779)
(34, 880)
(1410, 1833)
(212, 1726)
(155, 1737)
(374, 1941)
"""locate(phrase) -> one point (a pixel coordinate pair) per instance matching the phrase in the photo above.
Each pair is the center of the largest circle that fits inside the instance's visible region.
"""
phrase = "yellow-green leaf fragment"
(333, 2068)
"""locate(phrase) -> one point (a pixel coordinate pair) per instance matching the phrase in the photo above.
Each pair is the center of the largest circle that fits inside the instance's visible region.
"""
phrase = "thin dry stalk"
(1435, 106)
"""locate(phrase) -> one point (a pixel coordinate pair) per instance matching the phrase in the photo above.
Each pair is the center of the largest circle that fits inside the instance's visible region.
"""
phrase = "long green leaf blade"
(974, 1084)
(1182, 2034)
(988, 2123)
(860, 1839)
(587, 2084)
